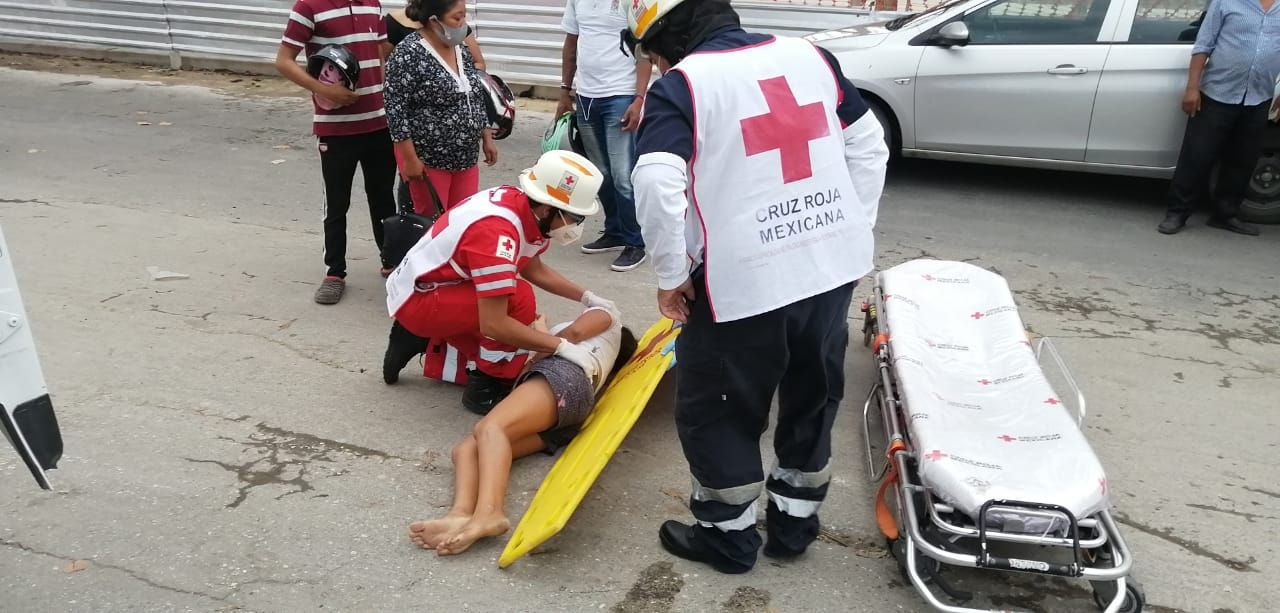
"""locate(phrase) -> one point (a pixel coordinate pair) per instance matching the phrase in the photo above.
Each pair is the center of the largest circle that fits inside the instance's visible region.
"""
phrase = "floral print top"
(426, 102)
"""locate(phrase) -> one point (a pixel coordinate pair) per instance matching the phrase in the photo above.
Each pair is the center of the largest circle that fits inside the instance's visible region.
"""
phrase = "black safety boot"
(686, 541)
(402, 345)
(483, 392)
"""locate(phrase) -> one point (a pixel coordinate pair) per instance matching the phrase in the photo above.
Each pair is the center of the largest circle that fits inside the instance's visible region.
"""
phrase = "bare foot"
(477, 528)
(429, 534)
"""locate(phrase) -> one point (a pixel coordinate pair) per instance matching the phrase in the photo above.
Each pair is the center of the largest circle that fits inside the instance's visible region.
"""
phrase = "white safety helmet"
(645, 13)
(565, 180)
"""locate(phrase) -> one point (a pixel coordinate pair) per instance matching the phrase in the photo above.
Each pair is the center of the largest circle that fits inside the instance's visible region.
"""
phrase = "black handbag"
(402, 231)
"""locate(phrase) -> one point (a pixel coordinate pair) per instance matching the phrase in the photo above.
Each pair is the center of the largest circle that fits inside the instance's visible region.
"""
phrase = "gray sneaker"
(330, 290)
(630, 258)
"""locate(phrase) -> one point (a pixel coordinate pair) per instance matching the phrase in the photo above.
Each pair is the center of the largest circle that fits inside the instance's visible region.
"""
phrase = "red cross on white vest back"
(787, 127)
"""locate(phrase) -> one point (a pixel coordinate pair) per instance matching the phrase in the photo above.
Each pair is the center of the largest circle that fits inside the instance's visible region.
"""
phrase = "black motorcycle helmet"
(500, 104)
(341, 57)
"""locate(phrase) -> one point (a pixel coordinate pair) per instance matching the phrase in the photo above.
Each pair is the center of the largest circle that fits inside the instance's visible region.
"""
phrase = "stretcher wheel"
(1104, 591)
(926, 566)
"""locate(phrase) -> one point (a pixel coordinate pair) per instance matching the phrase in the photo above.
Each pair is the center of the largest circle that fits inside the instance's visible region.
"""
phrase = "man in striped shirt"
(353, 134)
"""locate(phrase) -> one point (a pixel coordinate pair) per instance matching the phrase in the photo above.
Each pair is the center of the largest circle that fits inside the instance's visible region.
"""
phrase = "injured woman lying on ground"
(551, 400)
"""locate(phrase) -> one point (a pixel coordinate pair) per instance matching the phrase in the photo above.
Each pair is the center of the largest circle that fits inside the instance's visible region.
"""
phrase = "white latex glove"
(591, 300)
(581, 357)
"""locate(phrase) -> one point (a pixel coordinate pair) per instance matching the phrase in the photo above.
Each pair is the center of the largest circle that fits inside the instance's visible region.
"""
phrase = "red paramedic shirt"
(357, 25)
(489, 250)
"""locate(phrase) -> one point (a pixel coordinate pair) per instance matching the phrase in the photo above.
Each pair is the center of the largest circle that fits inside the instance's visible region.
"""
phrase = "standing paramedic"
(355, 132)
(459, 283)
(785, 188)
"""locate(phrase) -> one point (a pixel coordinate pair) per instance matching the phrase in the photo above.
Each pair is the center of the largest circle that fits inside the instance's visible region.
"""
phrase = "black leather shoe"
(402, 345)
(483, 392)
(1234, 225)
(1173, 223)
(682, 541)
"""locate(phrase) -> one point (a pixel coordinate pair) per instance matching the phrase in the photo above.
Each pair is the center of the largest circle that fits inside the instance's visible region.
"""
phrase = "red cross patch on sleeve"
(506, 248)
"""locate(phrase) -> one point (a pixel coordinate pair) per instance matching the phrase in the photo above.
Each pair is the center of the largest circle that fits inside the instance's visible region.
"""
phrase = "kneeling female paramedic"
(543, 413)
(459, 283)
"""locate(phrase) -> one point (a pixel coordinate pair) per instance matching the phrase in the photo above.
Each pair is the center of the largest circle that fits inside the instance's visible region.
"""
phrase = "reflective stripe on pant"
(451, 314)
(728, 373)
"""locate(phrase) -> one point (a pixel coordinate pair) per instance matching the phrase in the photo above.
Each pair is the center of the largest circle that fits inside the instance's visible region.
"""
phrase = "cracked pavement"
(230, 444)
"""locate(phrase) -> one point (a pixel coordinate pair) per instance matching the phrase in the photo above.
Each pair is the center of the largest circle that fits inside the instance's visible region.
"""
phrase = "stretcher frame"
(927, 533)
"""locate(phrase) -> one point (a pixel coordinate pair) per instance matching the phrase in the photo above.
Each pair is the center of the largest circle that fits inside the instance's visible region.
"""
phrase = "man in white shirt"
(610, 87)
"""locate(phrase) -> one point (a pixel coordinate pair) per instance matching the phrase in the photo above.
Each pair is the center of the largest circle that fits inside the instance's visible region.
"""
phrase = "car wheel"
(1262, 201)
(886, 122)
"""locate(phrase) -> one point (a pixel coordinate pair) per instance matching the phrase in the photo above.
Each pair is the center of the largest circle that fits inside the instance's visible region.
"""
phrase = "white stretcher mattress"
(983, 418)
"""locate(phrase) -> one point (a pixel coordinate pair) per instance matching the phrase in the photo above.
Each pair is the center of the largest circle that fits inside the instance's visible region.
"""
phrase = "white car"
(1087, 85)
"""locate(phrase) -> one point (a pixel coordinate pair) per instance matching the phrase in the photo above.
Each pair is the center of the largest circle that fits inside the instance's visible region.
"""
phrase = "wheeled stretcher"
(986, 466)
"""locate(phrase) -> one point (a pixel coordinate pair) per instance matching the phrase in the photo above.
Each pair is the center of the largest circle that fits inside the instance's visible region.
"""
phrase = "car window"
(1167, 21)
(1047, 22)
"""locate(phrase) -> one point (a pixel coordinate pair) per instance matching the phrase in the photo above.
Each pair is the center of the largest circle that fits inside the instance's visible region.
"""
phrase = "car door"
(1137, 116)
(1024, 84)
(26, 414)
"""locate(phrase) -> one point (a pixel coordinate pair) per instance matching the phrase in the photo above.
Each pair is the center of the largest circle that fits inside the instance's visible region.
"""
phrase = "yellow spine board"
(587, 454)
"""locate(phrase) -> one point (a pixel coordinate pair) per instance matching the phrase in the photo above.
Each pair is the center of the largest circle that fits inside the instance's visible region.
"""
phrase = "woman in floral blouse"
(435, 106)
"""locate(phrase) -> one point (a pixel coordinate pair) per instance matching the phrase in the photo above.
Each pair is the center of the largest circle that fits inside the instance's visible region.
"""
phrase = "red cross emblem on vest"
(787, 127)
(508, 244)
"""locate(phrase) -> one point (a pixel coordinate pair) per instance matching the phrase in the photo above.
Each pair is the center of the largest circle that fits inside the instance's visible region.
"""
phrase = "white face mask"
(566, 235)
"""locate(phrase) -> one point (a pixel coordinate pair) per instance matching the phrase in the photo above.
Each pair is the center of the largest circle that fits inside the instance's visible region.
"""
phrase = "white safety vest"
(432, 252)
(779, 220)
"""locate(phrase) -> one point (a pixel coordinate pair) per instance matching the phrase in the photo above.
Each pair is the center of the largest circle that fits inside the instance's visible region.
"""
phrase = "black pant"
(728, 373)
(1226, 134)
(339, 156)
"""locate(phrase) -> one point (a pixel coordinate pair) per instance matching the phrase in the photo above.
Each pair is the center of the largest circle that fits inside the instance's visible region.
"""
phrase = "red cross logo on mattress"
(787, 127)
(935, 455)
(1053, 401)
(976, 315)
(927, 277)
(1006, 438)
(984, 381)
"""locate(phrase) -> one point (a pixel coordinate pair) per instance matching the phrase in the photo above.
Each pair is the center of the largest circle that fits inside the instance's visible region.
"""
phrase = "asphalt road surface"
(230, 444)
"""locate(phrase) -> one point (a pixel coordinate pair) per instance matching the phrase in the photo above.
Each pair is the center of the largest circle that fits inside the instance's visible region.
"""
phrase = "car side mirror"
(953, 34)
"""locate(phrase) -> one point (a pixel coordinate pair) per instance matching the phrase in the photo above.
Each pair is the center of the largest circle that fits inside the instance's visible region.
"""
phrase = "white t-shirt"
(603, 68)
(604, 347)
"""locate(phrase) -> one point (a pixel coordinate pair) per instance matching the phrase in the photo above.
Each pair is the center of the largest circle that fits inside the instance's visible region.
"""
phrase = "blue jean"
(613, 151)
